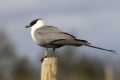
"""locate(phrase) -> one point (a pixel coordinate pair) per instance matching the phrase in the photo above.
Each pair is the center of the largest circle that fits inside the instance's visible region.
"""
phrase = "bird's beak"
(27, 26)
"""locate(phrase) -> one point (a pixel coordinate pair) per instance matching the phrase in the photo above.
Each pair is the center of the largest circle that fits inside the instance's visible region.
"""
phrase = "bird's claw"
(43, 58)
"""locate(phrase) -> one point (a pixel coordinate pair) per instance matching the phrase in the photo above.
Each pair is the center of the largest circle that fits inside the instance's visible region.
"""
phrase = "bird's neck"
(39, 24)
(35, 27)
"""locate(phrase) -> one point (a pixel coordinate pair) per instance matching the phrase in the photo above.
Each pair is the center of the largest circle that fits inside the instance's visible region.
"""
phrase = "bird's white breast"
(33, 35)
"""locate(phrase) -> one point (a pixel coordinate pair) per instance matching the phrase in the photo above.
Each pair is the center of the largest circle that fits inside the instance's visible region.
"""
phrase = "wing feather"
(48, 37)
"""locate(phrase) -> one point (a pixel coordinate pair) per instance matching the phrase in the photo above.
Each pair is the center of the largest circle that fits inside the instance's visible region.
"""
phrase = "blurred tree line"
(11, 66)
(71, 67)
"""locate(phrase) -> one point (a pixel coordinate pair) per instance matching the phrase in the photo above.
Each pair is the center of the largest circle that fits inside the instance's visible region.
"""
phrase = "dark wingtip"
(113, 51)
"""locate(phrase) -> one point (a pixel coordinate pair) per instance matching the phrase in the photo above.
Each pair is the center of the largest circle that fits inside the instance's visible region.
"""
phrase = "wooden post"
(109, 75)
(49, 69)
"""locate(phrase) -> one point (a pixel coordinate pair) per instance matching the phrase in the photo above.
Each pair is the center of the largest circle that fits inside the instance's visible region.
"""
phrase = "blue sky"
(97, 21)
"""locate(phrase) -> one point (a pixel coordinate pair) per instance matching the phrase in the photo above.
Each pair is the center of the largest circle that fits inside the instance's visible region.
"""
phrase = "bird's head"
(37, 23)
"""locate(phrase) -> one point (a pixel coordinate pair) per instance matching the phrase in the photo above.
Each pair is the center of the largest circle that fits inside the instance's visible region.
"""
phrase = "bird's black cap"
(32, 23)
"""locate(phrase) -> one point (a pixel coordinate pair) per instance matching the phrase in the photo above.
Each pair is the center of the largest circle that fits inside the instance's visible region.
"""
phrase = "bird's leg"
(53, 52)
(46, 52)
(45, 55)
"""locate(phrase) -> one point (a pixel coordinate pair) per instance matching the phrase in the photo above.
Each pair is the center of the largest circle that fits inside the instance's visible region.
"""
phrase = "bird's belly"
(52, 46)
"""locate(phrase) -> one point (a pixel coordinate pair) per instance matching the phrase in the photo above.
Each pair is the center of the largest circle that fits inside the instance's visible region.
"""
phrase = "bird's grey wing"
(50, 34)
(48, 37)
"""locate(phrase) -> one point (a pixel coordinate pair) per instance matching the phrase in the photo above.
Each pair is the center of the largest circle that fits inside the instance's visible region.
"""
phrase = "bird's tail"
(79, 42)
(113, 51)
(89, 45)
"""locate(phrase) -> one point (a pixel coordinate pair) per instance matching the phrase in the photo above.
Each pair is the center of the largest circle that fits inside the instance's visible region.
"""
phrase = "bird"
(52, 37)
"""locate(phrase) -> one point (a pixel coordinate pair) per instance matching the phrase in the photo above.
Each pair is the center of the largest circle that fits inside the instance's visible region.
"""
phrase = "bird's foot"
(43, 58)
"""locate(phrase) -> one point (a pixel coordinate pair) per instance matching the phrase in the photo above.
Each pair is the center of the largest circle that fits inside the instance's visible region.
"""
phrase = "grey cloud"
(11, 6)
